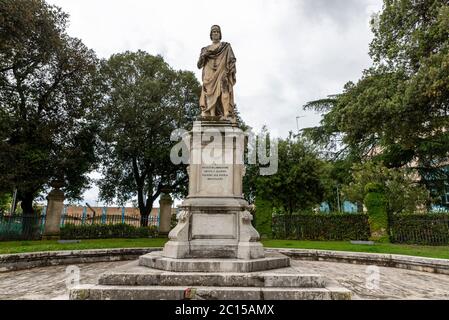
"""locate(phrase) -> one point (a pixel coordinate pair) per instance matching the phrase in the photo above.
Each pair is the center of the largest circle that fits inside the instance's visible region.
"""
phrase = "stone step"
(99, 292)
(213, 279)
(156, 260)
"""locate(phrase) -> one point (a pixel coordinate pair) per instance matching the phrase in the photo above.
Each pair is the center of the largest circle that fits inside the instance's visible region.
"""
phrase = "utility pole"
(297, 122)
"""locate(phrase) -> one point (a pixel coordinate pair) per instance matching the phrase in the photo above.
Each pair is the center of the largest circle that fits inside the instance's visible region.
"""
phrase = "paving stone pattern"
(50, 282)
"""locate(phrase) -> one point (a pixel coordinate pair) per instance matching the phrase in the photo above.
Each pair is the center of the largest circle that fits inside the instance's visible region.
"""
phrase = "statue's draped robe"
(218, 77)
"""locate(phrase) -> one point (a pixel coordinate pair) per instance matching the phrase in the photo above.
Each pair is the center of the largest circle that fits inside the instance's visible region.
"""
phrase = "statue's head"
(215, 31)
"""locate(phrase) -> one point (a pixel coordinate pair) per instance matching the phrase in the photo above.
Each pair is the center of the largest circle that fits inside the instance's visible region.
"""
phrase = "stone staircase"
(135, 281)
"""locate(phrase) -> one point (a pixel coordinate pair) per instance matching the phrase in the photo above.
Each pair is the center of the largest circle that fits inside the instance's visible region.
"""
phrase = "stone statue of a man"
(218, 63)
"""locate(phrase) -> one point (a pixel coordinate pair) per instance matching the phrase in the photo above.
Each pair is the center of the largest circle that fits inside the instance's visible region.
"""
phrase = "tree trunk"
(144, 220)
(145, 212)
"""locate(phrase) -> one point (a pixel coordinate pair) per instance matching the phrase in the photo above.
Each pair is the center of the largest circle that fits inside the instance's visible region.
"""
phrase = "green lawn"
(411, 250)
(34, 246)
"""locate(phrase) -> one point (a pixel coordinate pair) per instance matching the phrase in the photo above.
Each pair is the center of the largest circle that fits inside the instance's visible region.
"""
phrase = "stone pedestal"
(53, 215)
(214, 221)
(165, 204)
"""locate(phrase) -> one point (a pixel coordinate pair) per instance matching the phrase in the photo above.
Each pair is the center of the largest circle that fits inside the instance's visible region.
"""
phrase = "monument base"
(214, 228)
(137, 282)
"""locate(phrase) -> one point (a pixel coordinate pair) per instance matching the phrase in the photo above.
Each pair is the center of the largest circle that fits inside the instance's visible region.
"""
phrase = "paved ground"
(363, 281)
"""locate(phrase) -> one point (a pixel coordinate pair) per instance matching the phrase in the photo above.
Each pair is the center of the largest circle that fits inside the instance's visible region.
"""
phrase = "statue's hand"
(205, 55)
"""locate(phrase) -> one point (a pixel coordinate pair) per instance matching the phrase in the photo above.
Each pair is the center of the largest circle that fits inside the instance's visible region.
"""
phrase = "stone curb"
(22, 261)
(422, 264)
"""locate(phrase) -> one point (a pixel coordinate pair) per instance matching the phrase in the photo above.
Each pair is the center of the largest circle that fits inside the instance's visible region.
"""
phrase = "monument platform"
(137, 282)
(156, 260)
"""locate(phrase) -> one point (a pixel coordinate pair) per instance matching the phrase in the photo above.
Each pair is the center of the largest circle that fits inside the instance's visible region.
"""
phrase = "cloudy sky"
(288, 52)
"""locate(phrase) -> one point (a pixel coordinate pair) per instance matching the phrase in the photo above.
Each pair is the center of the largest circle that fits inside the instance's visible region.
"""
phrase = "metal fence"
(431, 229)
(109, 219)
(23, 227)
(330, 227)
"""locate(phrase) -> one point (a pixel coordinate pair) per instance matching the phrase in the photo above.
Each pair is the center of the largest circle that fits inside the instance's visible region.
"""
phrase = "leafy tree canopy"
(47, 91)
(298, 184)
(400, 187)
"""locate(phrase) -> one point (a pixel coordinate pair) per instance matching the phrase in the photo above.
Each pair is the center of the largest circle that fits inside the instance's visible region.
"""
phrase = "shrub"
(106, 231)
(376, 205)
(263, 218)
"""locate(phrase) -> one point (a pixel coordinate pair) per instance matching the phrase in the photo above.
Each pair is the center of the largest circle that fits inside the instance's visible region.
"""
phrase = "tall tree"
(398, 112)
(299, 182)
(402, 192)
(47, 91)
(146, 100)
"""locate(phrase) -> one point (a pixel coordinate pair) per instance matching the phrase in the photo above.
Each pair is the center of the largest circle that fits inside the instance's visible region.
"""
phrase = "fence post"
(83, 220)
(123, 215)
(103, 215)
(164, 213)
(55, 199)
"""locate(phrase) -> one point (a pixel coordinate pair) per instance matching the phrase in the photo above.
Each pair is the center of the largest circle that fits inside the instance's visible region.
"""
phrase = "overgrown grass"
(35, 246)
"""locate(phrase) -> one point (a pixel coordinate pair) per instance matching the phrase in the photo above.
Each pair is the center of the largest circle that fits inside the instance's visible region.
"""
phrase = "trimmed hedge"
(105, 231)
(263, 218)
(429, 229)
(338, 227)
(421, 229)
(376, 204)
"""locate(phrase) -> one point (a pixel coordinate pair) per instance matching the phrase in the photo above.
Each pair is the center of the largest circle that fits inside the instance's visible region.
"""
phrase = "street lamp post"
(297, 122)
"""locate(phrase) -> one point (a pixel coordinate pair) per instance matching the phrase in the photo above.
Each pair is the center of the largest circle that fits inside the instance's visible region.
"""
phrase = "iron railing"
(31, 227)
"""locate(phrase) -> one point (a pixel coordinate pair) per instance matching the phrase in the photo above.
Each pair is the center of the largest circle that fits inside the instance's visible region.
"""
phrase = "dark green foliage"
(48, 86)
(106, 231)
(263, 218)
(321, 227)
(298, 183)
(5, 202)
(425, 229)
(373, 187)
(401, 188)
(376, 204)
